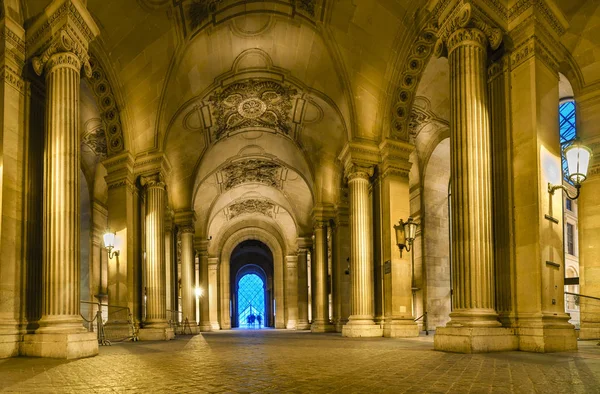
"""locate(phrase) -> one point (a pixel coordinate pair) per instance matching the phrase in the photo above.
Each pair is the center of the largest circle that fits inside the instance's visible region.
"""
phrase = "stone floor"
(300, 362)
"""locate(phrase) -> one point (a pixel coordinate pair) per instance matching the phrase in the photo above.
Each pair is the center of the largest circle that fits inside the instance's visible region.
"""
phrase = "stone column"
(291, 292)
(185, 222)
(397, 270)
(320, 302)
(213, 292)
(156, 326)
(60, 58)
(12, 160)
(202, 247)
(303, 247)
(466, 40)
(361, 323)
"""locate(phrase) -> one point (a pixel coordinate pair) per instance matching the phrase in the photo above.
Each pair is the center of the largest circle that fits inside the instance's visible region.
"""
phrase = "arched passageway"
(252, 285)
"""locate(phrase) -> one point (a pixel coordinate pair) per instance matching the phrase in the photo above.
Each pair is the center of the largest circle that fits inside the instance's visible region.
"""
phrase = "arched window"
(251, 301)
(568, 130)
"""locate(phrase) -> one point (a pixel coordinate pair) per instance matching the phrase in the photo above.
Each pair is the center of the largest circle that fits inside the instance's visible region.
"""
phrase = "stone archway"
(277, 250)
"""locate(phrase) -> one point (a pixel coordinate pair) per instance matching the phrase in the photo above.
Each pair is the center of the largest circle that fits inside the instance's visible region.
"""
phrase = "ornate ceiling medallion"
(251, 171)
(252, 104)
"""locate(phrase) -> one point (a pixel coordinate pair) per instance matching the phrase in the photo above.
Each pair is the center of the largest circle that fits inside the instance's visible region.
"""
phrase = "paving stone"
(277, 361)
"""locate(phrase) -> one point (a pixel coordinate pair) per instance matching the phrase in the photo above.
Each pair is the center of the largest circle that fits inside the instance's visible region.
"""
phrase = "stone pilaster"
(124, 285)
(12, 158)
(185, 224)
(474, 324)
(170, 268)
(397, 272)
(542, 324)
(320, 296)
(58, 42)
(588, 205)
(213, 293)
(291, 291)
(156, 326)
(341, 268)
(202, 247)
(304, 245)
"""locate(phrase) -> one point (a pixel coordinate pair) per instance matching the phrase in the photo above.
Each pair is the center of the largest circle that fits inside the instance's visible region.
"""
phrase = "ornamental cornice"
(185, 219)
(187, 229)
(12, 78)
(360, 157)
(323, 213)
(152, 163)
(304, 243)
(530, 48)
(71, 15)
(465, 23)
(552, 15)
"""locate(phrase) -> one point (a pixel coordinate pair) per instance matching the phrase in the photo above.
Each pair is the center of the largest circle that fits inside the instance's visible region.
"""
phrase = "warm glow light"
(109, 240)
(198, 291)
(578, 160)
(406, 233)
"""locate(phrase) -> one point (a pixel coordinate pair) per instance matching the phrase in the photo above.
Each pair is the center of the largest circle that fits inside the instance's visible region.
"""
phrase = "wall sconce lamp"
(578, 160)
(405, 234)
(109, 244)
(198, 291)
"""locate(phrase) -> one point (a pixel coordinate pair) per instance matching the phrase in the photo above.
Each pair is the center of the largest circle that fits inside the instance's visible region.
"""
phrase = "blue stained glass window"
(251, 301)
(568, 130)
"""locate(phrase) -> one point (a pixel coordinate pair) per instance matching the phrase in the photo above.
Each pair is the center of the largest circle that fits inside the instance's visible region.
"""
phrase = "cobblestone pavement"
(300, 362)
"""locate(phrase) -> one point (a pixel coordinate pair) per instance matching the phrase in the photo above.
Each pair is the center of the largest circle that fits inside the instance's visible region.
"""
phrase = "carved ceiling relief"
(108, 108)
(421, 115)
(251, 171)
(251, 206)
(95, 140)
(252, 104)
(418, 57)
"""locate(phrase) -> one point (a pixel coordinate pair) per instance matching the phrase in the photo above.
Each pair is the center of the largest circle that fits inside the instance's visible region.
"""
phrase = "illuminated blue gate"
(251, 301)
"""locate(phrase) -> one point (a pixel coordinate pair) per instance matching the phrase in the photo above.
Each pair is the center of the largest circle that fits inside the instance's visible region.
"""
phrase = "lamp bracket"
(553, 188)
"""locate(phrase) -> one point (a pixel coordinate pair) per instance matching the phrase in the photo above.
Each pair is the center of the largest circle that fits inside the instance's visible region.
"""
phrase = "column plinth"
(361, 323)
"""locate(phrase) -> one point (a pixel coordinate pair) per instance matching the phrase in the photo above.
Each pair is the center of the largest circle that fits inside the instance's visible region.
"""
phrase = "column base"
(9, 345)
(302, 325)
(291, 325)
(546, 335)
(215, 326)
(60, 345)
(475, 339)
(156, 334)
(339, 325)
(400, 328)
(322, 326)
(353, 330)
(204, 327)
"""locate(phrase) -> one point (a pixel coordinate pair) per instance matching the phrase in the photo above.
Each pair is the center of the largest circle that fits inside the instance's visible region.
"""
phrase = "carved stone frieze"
(252, 104)
(540, 7)
(10, 76)
(254, 205)
(418, 57)
(534, 47)
(252, 171)
(107, 104)
(307, 6)
(95, 139)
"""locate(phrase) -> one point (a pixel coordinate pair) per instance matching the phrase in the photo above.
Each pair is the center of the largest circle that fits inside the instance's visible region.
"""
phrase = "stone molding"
(323, 213)
(12, 78)
(64, 50)
(153, 181)
(534, 47)
(498, 68)
(120, 171)
(551, 15)
(151, 164)
(185, 219)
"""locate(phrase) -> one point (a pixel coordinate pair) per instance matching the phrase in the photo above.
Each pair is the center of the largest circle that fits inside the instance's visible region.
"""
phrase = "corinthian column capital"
(153, 181)
(464, 24)
(61, 36)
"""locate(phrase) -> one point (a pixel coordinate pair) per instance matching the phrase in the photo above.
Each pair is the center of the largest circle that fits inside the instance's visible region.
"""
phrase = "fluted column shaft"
(472, 247)
(302, 289)
(188, 297)
(169, 271)
(61, 196)
(156, 308)
(320, 302)
(361, 257)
